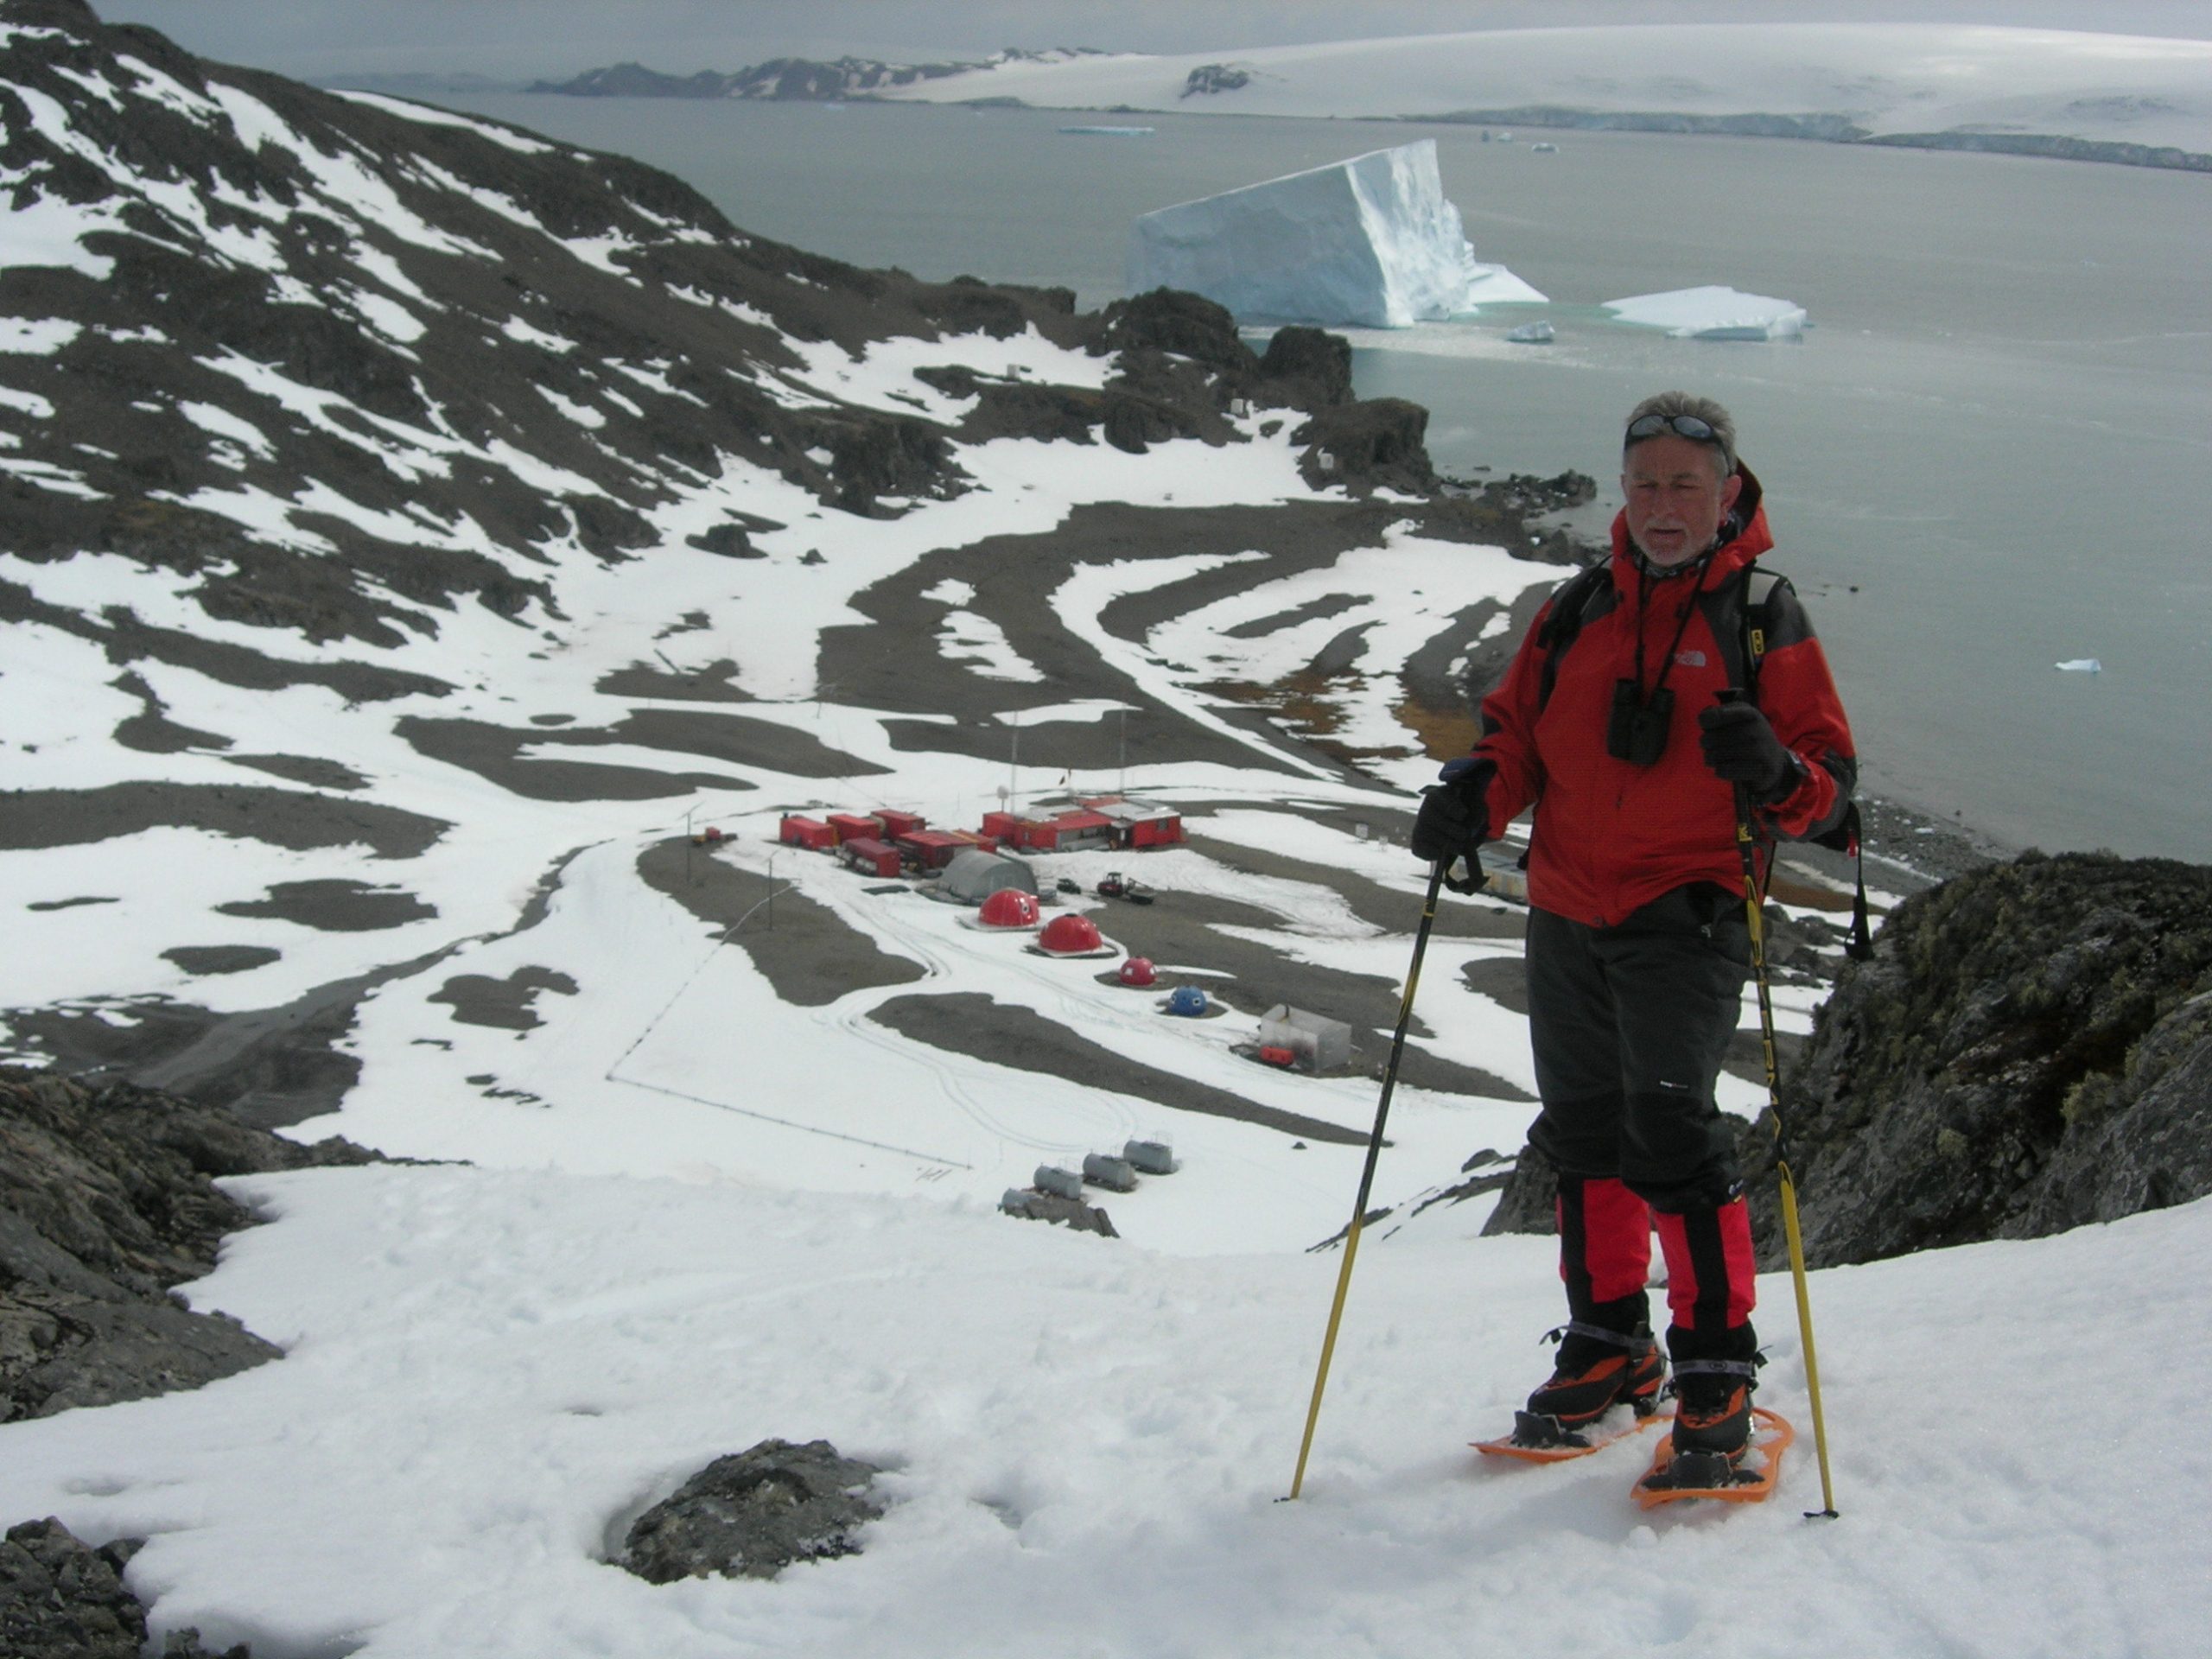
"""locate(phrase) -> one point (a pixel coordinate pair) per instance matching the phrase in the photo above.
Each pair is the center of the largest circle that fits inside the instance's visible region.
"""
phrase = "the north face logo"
(1691, 658)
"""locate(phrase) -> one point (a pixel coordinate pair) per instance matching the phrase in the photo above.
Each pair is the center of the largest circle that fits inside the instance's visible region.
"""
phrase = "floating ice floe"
(1530, 334)
(2081, 665)
(1711, 313)
(1369, 242)
(1110, 132)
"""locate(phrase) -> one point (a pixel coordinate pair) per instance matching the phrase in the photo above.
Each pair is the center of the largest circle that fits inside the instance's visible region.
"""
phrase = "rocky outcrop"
(520, 351)
(60, 1599)
(1378, 443)
(1309, 368)
(1210, 77)
(107, 1200)
(804, 80)
(2030, 1049)
(753, 1514)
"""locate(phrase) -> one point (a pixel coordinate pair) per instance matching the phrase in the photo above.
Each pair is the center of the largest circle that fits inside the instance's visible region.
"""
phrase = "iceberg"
(1369, 242)
(2081, 665)
(1713, 312)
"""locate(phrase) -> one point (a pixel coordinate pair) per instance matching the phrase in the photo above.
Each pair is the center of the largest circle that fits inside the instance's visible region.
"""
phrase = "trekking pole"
(1367, 1175)
(1756, 917)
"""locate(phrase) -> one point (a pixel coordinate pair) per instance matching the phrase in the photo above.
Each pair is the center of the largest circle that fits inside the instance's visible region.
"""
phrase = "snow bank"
(1370, 242)
(1713, 312)
(489, 1373)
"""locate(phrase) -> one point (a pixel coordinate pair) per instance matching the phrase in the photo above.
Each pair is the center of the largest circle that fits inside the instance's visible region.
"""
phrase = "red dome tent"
(1009, 907)
(1071, 936)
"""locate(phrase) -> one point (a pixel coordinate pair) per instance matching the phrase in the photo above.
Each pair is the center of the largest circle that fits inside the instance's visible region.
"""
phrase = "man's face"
(1676, 498)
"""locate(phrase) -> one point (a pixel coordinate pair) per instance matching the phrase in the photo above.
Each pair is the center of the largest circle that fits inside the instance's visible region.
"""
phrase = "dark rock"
(1072, 1213)
(60, 1599)
(1184, 325)
(107, 1200)
(754, 1513)
(2030, 1049)
(1527, 1200)
(1378, 443)
(1209, 77)
(1307, 368)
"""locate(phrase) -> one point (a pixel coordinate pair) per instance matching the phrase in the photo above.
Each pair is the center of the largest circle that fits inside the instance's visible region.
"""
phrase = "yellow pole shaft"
(1328, 1352)
(1367, 1175)
(1757, 921)
(1805, 1336)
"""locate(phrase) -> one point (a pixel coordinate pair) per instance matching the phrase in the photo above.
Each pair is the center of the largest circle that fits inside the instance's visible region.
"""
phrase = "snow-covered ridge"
(1877, 79)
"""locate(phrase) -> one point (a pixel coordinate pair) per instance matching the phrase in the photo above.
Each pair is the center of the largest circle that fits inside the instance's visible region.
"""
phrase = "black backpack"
(1754, 590)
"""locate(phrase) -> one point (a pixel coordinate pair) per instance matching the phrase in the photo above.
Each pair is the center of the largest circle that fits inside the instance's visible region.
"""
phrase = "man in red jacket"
(1611, 724)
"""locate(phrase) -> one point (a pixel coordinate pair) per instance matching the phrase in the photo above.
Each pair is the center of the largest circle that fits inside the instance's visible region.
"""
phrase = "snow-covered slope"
(491, 1374)
(1880, 78)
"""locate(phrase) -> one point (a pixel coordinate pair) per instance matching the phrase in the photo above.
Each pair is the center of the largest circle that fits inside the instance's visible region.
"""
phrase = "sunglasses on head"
(1688, 426)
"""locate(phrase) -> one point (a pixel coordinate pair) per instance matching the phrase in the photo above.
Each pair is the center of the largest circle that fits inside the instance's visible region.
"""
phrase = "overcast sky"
(524, 38)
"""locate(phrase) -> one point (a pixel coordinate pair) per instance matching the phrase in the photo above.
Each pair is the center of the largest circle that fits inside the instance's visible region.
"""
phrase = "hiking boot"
(1712, 1407)
(1597, 1369)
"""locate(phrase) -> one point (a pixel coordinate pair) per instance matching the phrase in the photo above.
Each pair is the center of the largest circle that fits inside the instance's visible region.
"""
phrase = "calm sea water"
(1992, 453)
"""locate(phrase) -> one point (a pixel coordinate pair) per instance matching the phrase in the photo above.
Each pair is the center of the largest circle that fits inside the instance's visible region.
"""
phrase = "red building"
(810, 833)
(871, 857)
(1064, 832)
(1139, 824)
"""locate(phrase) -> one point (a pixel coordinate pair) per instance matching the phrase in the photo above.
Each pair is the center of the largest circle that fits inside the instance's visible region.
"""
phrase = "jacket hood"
(1744, 536)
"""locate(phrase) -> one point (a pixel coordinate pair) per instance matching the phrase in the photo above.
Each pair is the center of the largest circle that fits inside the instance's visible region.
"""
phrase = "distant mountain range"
(796, 78)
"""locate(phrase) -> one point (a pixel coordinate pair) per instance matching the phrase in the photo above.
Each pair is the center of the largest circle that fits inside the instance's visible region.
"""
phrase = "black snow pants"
(1629, 1024)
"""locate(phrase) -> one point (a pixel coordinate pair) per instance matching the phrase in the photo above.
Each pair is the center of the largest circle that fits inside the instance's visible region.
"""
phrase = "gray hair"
(1705, 409)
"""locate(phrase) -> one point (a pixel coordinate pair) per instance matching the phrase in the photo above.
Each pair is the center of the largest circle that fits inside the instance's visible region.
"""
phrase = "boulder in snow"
(753, 1514)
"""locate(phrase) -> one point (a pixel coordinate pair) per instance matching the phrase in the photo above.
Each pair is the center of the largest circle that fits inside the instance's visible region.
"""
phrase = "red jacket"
(1611, 836)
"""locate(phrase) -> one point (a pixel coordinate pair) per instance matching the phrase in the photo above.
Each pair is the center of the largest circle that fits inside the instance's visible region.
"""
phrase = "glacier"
(1369, 242)
(1713, 312)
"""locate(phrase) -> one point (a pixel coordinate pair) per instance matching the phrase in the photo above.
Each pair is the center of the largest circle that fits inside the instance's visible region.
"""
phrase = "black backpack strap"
(1563, 619)
(1758, 590)
(1858, 944)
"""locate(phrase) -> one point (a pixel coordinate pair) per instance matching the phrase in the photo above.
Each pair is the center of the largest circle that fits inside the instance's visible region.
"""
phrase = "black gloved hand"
(1454, 817)
(1740, 746)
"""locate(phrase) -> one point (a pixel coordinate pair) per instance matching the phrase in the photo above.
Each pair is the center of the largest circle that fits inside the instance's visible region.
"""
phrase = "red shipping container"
(935, 849)
(896, 824)
(1005, 826)
(852, 827)
(872, 857)
(810, 833)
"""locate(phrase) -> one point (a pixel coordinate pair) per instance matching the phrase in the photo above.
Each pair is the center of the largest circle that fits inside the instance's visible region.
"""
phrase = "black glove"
(1740, 746)
(1454, 817)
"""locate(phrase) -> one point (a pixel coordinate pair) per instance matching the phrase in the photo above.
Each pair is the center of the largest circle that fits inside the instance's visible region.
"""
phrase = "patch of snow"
(430, 116)
(41, 337)
(213, 417)
(967, 637)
